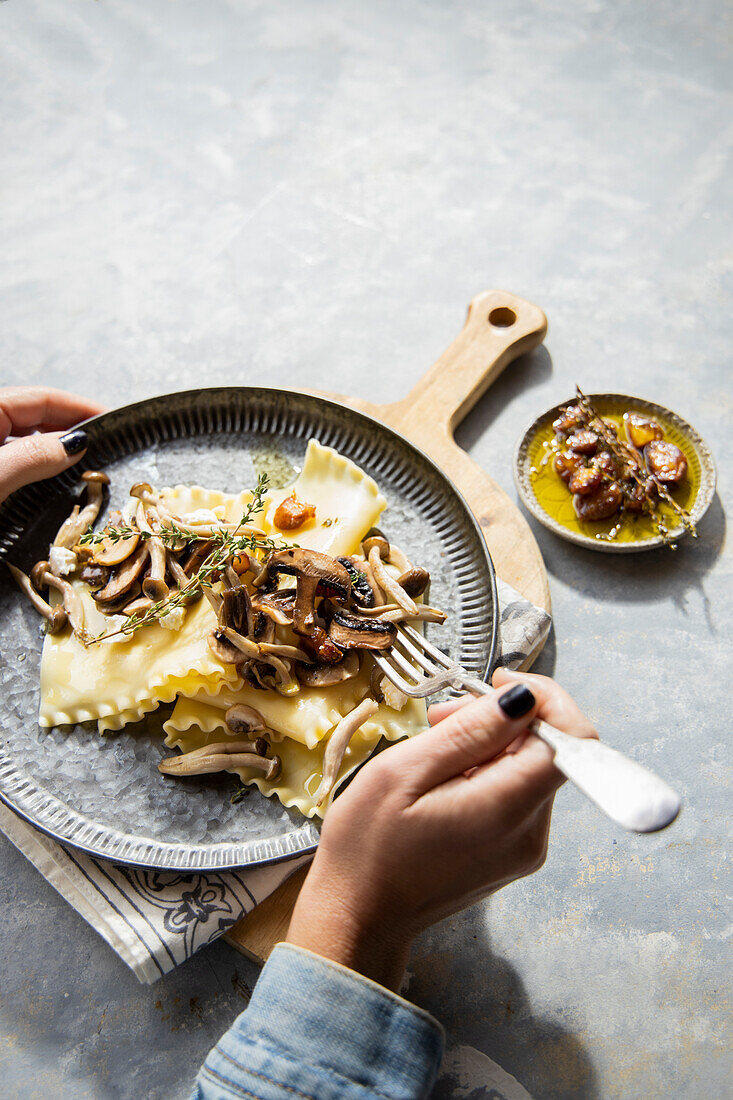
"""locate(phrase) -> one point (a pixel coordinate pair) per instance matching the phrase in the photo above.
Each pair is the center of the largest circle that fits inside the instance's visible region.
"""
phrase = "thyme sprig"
(115, 533)
(632, 462)
(227, 546)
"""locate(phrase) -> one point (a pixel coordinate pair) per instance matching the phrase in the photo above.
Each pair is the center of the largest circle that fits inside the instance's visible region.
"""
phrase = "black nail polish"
(517, 701)
(75, 441)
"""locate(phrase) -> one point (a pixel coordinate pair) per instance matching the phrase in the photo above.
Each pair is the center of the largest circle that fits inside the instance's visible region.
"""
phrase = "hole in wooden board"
(502, 317)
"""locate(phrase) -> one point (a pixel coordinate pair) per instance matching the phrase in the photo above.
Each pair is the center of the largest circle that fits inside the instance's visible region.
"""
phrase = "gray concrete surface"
(304, 193)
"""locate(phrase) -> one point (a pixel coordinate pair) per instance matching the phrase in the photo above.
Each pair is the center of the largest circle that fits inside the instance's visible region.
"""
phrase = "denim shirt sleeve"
(317, 1031)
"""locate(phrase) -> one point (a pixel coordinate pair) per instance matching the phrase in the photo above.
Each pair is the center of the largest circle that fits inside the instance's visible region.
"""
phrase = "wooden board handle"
(499, 328)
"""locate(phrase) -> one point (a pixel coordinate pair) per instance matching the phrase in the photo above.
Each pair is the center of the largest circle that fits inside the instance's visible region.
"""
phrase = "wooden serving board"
(499, 328)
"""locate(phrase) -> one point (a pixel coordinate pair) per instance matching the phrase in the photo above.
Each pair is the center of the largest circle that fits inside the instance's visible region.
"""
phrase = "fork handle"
(625, 791)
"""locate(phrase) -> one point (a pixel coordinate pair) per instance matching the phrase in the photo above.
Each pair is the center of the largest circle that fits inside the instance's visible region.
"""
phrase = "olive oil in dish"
(553, 496)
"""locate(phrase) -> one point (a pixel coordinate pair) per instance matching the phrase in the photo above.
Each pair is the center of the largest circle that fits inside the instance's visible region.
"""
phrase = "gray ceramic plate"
(105, 794)
(700, 462)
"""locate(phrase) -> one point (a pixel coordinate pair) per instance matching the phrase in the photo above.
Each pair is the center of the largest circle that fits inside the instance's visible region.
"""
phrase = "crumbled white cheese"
(220, 511)
(62, 561)
(174, 619)
(201, 515)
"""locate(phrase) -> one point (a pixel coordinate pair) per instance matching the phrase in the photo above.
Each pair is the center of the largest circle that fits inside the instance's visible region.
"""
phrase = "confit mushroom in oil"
(612, 476)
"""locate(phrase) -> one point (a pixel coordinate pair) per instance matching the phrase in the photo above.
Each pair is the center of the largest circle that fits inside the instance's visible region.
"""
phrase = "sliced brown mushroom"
(112, 607)
(124, 577)
(277, 606)
(139, 606)
(349, 632)
(222, 756)
(314, 572)
(113, 552)
(241, 718)
(414, 581)
(223, 649)
(263, 629)
(363, 593)
(56, 617)
(236, 610)
(96, 576)
(326, 675)
(337, 745)
(198, 556)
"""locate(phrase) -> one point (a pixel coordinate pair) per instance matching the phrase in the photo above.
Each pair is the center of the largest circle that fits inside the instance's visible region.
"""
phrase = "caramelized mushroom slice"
(198, 556)
(114, 551)
(338, 743)
(277, 606)
(362, 593)
(139, 606)
(236, 610)
(349, 632)
(56, 617)
(96, 576)
(314, 571)
(124, 577)
(326, 675)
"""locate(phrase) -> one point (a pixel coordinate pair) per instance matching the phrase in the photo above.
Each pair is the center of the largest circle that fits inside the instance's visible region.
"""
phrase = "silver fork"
(628, 793)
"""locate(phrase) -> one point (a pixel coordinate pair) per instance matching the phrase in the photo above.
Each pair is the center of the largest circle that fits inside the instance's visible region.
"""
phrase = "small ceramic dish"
(547, 497)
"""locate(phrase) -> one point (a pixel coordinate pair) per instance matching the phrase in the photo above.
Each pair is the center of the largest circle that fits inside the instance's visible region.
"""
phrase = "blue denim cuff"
(314, 1029)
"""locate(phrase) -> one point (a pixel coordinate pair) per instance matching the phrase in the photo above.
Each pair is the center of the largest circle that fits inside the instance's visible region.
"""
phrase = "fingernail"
(517, 701)
(75, 441)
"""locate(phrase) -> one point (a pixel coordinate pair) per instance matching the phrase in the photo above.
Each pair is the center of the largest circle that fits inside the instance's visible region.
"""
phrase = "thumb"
(35, 457)
(472, 735)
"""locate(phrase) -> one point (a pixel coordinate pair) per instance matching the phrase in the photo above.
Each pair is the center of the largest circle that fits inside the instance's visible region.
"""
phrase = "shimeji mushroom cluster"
(287, 617)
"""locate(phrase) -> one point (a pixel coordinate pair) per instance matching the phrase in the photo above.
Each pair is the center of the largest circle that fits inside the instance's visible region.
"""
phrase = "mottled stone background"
(309, 194)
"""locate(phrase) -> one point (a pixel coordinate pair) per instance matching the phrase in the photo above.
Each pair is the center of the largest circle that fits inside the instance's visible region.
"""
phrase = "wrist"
(330, 921)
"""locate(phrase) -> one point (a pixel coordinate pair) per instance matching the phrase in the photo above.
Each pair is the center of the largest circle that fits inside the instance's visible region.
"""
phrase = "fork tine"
(393, 676)
(424, 644)
(402, 663)
(417, 655)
